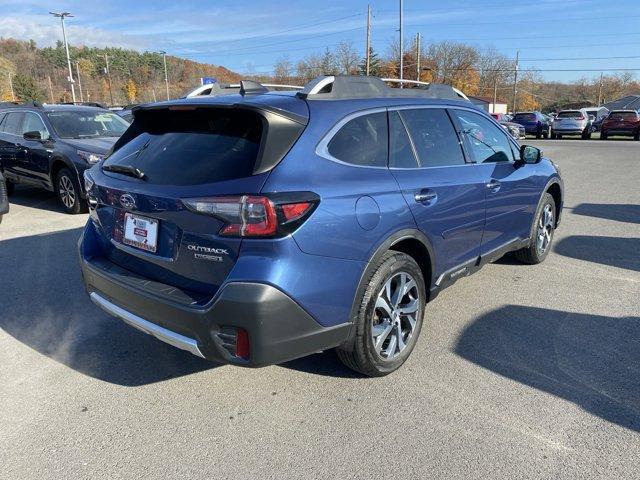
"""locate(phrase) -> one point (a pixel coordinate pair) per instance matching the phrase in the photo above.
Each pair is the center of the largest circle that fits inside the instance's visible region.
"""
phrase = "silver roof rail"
(417, 82)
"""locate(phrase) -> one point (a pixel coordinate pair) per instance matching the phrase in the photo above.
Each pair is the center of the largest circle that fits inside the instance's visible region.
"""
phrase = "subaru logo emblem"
(127, 201)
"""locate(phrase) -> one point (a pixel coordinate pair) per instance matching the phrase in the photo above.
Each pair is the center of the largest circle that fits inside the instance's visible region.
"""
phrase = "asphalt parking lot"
(520, 372)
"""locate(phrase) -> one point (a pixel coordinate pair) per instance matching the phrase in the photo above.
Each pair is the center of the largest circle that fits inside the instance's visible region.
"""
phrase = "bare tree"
(283, 69)
(347, 58)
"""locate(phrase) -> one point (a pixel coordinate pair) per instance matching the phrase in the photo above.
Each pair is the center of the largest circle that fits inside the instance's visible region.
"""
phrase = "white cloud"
(45, 31)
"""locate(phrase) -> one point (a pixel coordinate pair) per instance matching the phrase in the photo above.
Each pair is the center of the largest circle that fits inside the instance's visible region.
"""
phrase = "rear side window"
(2, 115)
(192, 147)
(487, 142)
(433, 137)
(13, 123)
(362, 141)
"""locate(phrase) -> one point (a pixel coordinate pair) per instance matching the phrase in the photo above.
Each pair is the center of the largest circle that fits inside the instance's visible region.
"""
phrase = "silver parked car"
(572, 122)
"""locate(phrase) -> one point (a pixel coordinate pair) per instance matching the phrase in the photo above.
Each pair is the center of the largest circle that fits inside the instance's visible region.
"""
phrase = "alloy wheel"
(67, 192)
(395, 315)
(544, 230)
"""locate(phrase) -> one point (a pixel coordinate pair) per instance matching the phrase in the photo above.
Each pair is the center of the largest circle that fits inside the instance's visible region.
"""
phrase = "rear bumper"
(621, 132)
(278, 328)
(568, 131)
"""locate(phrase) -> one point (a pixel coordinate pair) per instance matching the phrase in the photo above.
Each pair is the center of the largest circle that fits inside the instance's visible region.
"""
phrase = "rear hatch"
(570, 120)
(171, 154)
(621, 120)
(528, 120)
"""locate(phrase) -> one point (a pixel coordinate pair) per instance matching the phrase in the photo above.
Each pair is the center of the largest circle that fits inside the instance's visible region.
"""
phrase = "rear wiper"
(125, 170)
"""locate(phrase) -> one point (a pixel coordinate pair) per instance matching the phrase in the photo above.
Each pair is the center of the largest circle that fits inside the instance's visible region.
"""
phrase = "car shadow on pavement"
(629, 213)
(590, 360)
(618, 252)
(45, 306)
(35, 197)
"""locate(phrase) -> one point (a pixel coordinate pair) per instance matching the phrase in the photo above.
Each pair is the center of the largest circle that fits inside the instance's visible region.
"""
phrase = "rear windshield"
(87, 123)
(525, 117)
(191, 147)
(622, 116)
(571, 114)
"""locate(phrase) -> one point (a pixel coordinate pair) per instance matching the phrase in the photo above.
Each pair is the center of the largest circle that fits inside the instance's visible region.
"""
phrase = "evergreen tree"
(26, 88)
(375, 66)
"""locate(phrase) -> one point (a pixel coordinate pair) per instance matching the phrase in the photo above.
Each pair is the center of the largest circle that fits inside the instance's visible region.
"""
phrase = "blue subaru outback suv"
(260, 227)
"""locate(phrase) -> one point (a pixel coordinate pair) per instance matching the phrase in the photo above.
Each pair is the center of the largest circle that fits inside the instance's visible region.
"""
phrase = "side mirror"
(529, 154)
(35, 135)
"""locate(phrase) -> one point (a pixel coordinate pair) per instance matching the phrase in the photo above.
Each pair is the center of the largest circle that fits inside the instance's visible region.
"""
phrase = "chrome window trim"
(322, 149)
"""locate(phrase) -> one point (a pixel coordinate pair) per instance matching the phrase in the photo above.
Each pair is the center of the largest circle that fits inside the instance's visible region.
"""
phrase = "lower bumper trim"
(161, 333)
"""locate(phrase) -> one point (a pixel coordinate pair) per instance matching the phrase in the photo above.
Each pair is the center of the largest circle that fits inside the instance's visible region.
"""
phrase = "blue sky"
(249, 36)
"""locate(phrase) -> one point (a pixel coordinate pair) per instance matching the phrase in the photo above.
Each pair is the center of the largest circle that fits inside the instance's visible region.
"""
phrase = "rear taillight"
(272, 215)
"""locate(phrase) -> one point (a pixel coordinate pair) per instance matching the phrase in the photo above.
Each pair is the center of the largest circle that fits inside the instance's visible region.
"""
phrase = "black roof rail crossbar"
(342, 87)
(84, 104)
(29, 104)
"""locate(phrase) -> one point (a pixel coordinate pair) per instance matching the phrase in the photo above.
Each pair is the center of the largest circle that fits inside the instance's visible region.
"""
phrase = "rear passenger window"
(400, 149)
(362, 141)
(13, 123)
(434, 137)
(488, 142)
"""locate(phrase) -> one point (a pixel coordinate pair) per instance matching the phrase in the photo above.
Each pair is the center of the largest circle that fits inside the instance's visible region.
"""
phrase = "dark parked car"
(534, 123)
(4, 201)
(259, 227)
(51, 146)
(621, 122)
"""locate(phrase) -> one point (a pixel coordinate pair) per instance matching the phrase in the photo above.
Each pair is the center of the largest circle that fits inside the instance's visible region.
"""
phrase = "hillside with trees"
(41, 74)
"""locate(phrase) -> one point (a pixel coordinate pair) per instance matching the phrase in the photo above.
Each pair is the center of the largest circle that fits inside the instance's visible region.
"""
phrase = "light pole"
(401, 45)
(166, 77)
(62, 16)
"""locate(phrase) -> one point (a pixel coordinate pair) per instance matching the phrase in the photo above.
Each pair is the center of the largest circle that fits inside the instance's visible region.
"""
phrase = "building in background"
(486, 104)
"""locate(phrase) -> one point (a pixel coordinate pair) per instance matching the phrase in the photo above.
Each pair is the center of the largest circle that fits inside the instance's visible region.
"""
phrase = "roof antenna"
(249, 87)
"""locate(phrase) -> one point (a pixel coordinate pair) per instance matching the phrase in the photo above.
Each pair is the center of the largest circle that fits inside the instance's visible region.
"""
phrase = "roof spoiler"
(341, 87)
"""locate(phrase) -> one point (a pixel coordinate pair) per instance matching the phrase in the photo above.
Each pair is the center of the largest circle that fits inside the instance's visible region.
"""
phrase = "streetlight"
(166, 77)
(62, 16)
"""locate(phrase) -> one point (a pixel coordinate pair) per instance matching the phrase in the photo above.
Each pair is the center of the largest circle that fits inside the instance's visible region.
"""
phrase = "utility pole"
(515, 81)
(79, 80)
(418, 52)
(600, 91)
(62, 16)
(51, 89)
(106, 70)
(495, 92)
(166, 77)
(401, 44)
(13, 96)
(368, 55)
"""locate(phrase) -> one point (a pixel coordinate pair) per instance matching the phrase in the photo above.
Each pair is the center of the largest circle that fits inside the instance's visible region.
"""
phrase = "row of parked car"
(581, 122)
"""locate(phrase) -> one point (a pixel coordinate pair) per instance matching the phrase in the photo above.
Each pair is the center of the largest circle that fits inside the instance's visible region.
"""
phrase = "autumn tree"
(347, 58)
(7, 68)
(283, 69)
(130, 91)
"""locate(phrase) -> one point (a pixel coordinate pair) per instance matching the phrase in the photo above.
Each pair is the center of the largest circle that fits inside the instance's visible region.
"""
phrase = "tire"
(586, 135)
(534, 253)
(553, 136)
(558, 136)
(373, 316)
(636, 137)
(539, 134)
(603, 136)
(68, 193)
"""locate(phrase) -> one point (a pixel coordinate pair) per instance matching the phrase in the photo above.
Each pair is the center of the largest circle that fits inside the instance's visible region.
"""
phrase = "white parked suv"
(572, 122)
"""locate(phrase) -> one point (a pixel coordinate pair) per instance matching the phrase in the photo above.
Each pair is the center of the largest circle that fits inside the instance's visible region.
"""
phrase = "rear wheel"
(541, 233)
(11, 187)
(68, 192)
(539, 134)
(389, 317)
(603, 136)
(586, 135)
(558, 136)
(637, 136)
